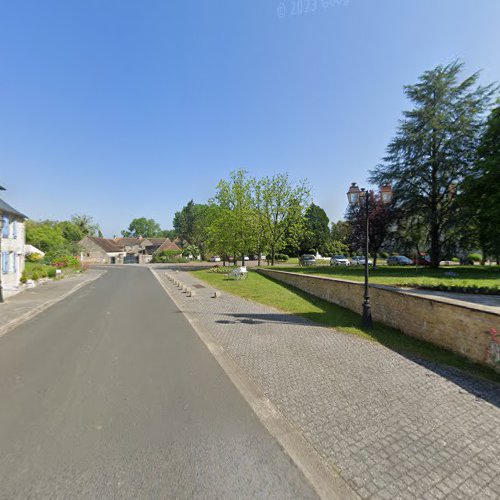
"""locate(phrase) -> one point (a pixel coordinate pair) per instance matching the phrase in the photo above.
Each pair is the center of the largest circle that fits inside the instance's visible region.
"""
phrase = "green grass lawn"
(480, 278)
(269, 292)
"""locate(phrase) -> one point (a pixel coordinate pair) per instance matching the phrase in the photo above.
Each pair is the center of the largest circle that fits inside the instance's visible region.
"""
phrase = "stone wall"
(93, 254)
(461, 328)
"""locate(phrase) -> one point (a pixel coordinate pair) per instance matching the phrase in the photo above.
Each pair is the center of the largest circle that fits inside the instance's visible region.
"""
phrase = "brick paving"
(393, 427)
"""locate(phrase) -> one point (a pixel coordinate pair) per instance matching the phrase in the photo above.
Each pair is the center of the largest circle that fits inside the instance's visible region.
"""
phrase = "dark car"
(399, 260)
(307, 260)
(422, 260)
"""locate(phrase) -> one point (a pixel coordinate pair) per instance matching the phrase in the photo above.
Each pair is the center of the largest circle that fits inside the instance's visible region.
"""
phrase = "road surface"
(111, 394)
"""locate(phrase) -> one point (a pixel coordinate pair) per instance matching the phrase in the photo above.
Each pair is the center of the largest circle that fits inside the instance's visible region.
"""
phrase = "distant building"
(30, 249)
(122, 250)
(12, 241)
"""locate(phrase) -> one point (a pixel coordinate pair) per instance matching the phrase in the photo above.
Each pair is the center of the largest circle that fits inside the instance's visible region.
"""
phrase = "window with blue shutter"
(5, 262)
(5, 232)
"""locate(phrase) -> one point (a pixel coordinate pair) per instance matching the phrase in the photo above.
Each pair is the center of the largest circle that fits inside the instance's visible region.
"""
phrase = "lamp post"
(1, 255)
(361, 197)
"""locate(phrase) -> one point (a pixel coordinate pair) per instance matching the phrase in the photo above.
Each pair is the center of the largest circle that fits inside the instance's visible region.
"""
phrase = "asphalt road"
(111, 394)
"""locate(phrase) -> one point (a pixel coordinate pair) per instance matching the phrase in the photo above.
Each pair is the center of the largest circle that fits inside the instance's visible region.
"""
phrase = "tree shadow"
(476, 379)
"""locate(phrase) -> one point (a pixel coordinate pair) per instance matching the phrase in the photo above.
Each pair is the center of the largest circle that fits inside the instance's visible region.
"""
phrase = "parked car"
(307, 260)
(399, 260)
(360, 260)
(215, 258)
(339, 260)
(422, 260)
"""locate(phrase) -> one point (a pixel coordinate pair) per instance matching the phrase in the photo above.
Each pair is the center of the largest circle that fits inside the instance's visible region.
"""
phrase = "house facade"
(101, 251)
(12, 242)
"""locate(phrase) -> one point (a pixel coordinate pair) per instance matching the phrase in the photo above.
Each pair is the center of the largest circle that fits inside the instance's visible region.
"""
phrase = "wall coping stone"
(434, 298)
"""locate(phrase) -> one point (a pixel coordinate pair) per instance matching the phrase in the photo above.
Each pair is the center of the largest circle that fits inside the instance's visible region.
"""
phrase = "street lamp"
(361, 197)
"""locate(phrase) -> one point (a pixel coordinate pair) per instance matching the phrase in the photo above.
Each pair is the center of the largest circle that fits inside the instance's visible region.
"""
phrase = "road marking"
(326, 481)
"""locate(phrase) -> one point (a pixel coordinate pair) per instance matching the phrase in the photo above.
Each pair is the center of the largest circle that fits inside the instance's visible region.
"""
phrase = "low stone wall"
(464, 329)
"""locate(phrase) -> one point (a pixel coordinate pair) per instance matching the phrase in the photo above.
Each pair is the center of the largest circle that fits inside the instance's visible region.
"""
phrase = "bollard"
(216, 295)
(190, 293)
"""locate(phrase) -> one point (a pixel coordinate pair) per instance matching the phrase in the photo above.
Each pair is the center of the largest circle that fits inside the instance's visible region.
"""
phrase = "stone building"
(101, 251)
(122, 250)
(12, 241)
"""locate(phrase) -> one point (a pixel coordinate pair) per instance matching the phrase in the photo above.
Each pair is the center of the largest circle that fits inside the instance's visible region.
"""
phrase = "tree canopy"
(147, 228)
(435, 149)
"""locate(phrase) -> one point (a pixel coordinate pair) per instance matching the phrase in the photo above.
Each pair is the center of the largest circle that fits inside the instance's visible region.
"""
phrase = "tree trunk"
(435, 245)
(272, 255)
(483, 256)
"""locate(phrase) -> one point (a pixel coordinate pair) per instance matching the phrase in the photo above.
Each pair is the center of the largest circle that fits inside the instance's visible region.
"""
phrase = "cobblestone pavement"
(394, 427)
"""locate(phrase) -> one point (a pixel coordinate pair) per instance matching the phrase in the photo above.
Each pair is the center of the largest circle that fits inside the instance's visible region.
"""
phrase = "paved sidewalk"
(27, 304)
(394, 427)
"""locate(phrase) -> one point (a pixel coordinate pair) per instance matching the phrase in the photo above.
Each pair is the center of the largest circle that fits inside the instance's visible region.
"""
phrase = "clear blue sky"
(128, 108)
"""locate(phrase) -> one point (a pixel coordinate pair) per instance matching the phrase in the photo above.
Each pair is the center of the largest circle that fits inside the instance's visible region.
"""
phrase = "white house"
(12, 240)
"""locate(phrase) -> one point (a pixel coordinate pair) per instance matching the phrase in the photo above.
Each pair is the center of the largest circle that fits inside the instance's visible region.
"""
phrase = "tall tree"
(86, 224)
(283, 208)
(191, 224)
(235, 217)
(381, 219)
(147, 228)
(481, 194)
(317, 230)
(435, 148)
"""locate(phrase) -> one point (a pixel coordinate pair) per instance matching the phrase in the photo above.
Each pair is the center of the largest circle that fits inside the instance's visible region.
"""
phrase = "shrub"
(33, 257)
(51, 272)
(475, 257)
(278, 256)
(66, 261)
(24, 278)
(221, 269)
(384, 255)
(455, 259)
(169, 257)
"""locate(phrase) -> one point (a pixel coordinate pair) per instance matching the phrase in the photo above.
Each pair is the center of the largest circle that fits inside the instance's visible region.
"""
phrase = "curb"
(45, 305)
(325, 480)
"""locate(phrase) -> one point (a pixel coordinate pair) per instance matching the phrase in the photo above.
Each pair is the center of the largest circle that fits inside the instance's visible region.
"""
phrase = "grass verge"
(266, 291)
(483, 279)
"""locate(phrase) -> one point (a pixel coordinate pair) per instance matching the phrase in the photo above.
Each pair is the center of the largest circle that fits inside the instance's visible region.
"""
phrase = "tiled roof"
(5, 207)
(156, 241)
(168, 245)
(127, 241)
(106, 244)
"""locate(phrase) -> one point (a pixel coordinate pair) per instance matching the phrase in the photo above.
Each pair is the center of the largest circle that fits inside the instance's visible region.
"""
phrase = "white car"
(361, 261)
(215, 258)
(339, 260)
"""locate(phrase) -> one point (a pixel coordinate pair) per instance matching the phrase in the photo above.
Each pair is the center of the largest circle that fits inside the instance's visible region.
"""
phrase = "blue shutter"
(5, 262)
(5, 232)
